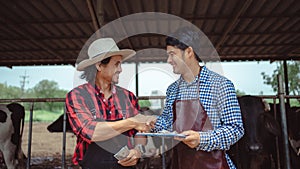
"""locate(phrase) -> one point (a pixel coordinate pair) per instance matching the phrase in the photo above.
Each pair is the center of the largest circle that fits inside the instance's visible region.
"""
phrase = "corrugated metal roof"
(53, 32)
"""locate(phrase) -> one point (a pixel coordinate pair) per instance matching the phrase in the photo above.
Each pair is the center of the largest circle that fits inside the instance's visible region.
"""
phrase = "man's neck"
(105, 87)
(191, 73)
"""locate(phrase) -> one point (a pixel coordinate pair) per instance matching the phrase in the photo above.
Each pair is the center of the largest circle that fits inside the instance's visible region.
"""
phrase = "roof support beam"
(232, 23)
(117, 10)
(100, 12)
(93, 15)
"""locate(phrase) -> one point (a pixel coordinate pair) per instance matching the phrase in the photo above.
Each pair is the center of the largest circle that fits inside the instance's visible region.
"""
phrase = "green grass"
(293, 102)
(43, 115)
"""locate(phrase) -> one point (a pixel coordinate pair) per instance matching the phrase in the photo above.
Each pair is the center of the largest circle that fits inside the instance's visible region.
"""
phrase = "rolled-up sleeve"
(80, 117)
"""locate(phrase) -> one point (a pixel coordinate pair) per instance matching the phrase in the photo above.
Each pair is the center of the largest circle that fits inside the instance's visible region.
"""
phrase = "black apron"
(100, 155)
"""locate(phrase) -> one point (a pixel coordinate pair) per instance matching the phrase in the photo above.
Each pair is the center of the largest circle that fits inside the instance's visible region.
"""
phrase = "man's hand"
(143, 123)
(131, 159)
(192, 138)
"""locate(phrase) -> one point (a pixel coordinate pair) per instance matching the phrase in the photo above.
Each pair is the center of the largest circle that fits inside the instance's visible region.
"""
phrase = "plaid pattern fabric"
(83, 120)
(218, 97)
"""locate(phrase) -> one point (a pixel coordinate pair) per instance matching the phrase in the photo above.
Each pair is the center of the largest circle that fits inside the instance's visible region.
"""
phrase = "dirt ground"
(46, 147)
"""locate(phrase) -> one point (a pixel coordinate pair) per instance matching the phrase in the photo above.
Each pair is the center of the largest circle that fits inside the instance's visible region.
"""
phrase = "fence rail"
(140, 98)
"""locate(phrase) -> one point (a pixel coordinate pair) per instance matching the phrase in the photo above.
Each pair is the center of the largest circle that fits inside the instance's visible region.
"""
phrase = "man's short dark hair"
(89, 73)
(183, 38)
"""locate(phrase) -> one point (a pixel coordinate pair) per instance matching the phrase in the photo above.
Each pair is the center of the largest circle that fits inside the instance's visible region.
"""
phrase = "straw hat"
(101, 49)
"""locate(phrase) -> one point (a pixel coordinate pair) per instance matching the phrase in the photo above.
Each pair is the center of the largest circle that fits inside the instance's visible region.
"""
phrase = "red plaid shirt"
(82, 119)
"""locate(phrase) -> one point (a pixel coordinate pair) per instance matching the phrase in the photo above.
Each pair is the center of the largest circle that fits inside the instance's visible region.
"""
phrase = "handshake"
(143, 123)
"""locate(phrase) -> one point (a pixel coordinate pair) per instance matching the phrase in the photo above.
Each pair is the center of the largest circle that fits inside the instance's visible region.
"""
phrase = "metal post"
(63, 155)
(163, 156)
(137, 79)
(277, 138)
(29, 137)
(286, 81)
(283, 123)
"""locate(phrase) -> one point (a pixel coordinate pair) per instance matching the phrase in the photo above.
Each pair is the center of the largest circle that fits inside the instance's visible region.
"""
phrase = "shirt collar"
(97, 90)
(182, 81)
(204, 74)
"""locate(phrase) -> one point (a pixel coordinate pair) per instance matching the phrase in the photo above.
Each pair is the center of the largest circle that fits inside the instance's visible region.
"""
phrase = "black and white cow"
(256, 149)
(11, 129)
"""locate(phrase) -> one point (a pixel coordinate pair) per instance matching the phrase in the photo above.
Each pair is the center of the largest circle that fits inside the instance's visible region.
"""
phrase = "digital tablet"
(161, 135)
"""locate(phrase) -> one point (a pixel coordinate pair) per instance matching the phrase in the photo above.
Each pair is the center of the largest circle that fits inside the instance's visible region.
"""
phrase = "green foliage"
(294, 102)
(44, 89)
(9, 92)
(144, 103)
(240, 93)
(293, 69)
(49, 89)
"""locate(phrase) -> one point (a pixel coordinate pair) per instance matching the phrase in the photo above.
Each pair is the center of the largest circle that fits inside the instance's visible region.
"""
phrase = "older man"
(104, 116)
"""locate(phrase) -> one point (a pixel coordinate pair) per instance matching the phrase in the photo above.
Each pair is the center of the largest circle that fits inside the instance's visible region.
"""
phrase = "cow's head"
(259, 125)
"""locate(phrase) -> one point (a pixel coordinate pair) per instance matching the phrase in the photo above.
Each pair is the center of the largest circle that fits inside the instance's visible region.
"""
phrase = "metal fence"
(32, 101)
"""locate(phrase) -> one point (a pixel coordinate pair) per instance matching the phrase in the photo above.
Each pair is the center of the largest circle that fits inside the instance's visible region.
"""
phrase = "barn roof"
(53, 32)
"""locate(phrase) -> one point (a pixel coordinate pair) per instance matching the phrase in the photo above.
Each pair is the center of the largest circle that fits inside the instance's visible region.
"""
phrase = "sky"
(246, 76)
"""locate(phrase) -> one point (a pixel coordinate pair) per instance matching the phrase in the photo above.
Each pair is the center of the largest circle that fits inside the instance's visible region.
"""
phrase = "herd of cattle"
(260, 148)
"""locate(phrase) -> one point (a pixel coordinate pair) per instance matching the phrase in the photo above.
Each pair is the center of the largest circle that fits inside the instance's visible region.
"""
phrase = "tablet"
(161, 135)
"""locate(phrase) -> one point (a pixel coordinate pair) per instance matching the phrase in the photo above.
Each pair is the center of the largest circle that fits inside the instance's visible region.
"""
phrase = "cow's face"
(259, 126)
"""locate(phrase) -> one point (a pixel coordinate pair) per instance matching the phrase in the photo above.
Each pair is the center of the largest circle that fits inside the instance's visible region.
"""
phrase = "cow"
(11, 130)
(256, 149)
(293, 130)
(293, 118)
(57, 125)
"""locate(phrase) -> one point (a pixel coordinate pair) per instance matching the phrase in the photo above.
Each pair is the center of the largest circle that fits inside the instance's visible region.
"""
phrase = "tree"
(293, 70)
(239, 92)
(9, 92)
(49, 89)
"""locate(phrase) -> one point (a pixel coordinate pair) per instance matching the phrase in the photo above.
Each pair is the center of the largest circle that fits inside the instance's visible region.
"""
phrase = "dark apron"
(101, 154)
(190, 115)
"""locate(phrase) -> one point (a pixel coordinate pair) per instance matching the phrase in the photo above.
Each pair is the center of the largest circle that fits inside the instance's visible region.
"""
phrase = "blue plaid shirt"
(218, 97)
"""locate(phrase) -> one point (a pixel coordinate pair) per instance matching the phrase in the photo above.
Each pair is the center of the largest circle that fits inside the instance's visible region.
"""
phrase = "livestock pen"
(64, 136)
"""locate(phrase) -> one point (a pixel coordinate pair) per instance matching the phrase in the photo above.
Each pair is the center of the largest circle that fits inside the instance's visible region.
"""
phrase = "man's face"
(112, 70)
(176, 59)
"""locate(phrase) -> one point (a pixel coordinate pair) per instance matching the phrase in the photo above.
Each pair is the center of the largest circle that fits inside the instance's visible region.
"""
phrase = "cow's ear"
(271, 124)
(17, 109)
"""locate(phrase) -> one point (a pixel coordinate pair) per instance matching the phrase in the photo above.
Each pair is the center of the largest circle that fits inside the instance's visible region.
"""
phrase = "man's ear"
(98, 67)
(189, 51)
